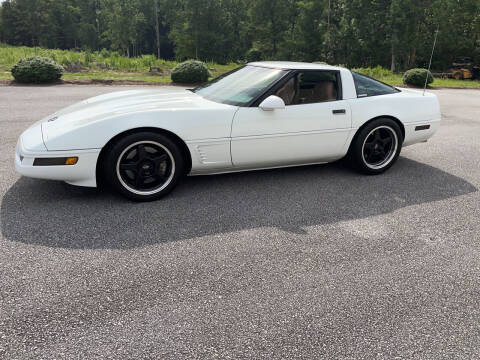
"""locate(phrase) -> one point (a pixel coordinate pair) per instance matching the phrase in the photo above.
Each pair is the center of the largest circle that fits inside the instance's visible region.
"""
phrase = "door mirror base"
(272, 103)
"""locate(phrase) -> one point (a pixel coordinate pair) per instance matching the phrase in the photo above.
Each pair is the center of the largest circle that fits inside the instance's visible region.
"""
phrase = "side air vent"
(202, 153)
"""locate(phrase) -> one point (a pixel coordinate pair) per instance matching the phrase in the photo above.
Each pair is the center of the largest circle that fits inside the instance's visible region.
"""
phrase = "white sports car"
(263, 115)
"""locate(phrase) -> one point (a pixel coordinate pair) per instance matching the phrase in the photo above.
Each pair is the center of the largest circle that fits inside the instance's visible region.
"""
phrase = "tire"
(144, 166)
(376, 147)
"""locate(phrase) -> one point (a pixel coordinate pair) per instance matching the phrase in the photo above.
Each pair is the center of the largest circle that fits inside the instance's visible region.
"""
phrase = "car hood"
(119, 104)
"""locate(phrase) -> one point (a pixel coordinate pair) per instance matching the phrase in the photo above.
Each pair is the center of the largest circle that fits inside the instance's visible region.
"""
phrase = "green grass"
(115, 76)
(393, 79)
(110, 66)
(99, 65)
(396, 80)
(100, 60)
(452, 83)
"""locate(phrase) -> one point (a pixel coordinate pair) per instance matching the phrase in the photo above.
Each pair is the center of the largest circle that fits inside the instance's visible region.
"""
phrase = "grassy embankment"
(396, 79)
(109, 66)
(103, 65)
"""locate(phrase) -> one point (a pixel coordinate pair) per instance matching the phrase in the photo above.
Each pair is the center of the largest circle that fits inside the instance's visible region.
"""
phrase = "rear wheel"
(376, 147)
(144, 166)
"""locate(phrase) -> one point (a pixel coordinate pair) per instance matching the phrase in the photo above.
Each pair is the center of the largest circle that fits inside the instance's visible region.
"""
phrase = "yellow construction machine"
(464, 68)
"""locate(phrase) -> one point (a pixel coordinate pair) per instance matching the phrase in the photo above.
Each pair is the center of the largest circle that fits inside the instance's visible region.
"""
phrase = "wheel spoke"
(369, 146)
(368, 154)
(141, 153)
(139, 179)
(387, 141)
(129, 167)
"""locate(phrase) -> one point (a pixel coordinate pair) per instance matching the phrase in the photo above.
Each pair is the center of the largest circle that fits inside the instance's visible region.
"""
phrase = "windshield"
(240, 87)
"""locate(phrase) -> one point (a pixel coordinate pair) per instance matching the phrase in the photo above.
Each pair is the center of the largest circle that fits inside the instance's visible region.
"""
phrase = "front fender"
(189, 125)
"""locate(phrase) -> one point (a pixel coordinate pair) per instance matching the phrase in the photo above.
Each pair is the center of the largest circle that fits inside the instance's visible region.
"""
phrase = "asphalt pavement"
(312, 262)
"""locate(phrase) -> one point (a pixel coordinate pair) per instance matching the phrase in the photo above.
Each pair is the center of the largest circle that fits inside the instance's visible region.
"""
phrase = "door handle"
(338, 112)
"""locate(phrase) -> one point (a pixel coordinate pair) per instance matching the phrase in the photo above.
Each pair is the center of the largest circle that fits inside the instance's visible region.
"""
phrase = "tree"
(391, 33)
(157, 27)
(125, 24)
(198, 30)
(311, 31)
(270, 22)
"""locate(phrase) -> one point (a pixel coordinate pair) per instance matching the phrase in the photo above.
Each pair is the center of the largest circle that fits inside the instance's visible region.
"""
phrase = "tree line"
(397, 34)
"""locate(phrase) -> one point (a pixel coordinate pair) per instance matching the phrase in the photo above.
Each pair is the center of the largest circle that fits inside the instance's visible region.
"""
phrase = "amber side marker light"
(55, 161)
(71, 161)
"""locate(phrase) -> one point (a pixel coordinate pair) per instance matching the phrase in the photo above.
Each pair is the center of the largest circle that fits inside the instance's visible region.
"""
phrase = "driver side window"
(310, 87)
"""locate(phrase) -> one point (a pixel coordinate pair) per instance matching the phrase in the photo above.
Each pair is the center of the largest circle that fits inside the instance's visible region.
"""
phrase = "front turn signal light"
(71, 160)
(55, 161)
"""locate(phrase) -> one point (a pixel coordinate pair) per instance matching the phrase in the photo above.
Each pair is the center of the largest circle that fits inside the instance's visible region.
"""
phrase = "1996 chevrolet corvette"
(263, 115)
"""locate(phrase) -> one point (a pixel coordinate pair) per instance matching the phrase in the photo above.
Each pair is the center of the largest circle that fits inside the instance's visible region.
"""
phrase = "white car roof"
(290, 65)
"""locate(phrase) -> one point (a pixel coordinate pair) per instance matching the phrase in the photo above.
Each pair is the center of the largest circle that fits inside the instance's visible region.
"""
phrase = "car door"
(313, 127)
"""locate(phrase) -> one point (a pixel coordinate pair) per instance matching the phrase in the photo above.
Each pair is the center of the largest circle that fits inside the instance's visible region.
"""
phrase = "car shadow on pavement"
(55, 214)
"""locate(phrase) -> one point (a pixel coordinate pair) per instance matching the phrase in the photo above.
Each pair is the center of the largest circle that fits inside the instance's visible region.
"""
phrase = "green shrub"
(37, 70)
(253, 55)
(416, 77)
(190, 71)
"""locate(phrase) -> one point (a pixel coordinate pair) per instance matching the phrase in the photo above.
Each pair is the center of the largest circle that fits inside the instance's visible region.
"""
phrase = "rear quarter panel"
(410, 107)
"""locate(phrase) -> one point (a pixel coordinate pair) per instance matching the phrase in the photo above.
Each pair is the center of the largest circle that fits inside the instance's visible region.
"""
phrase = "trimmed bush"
(416, 77)
(37, 70)
(190, 72)
(253, 55)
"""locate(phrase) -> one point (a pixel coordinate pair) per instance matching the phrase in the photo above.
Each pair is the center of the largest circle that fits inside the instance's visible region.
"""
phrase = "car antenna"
(431, 57)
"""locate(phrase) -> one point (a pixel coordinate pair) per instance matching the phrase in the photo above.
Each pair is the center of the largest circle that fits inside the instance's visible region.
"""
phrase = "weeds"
(92, 60)
(109, 65)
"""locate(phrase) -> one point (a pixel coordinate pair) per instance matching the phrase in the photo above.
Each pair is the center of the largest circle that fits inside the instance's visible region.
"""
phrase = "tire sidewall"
(114, 152)
(356, 151)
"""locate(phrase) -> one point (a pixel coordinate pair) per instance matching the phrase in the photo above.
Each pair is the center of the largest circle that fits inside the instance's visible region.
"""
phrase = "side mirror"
(272, 103)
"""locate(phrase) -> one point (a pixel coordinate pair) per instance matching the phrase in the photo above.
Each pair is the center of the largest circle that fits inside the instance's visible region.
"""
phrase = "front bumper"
(83, 173)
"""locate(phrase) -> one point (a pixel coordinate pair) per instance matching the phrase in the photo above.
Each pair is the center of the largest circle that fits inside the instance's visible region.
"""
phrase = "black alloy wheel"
(376, 146)
(144, 166)
(379, 147)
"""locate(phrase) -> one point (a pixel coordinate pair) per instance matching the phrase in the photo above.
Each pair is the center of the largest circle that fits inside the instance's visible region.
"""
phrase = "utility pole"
(157, 26)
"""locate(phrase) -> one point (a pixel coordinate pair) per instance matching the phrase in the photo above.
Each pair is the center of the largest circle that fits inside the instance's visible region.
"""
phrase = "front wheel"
(376, 147)
(458, 75)
(144, 166)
